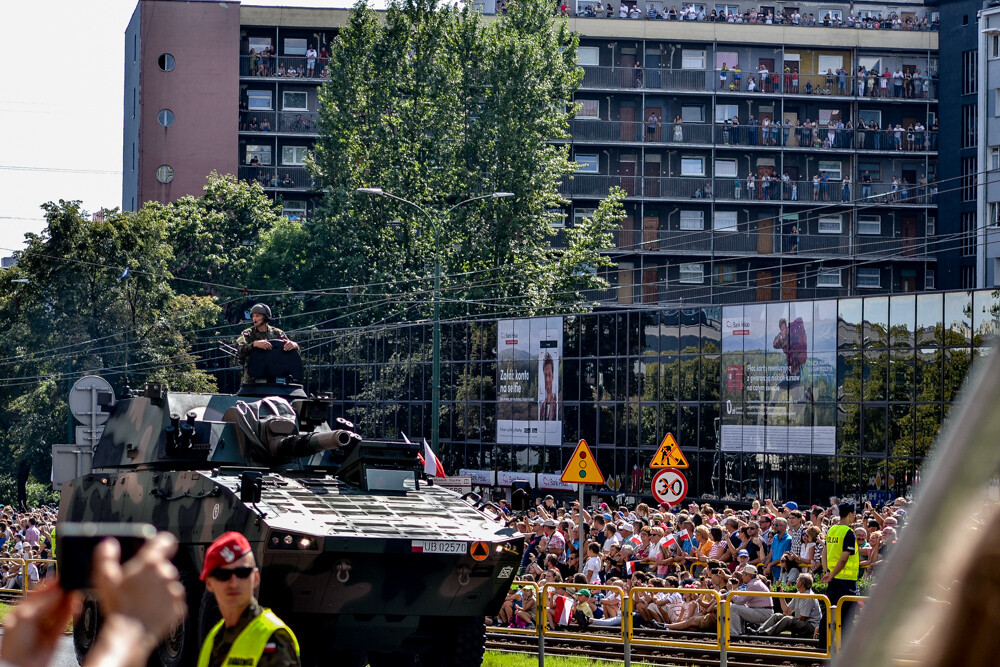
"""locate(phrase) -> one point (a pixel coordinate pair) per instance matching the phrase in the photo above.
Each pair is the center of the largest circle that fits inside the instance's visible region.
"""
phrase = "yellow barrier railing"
(19, 568)
(538, 609)
(41, 578)
(790, 653)
(838, 615)
(543, 621)
(634, 592)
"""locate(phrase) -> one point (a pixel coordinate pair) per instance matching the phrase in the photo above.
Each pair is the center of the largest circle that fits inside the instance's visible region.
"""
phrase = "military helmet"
(263, 309)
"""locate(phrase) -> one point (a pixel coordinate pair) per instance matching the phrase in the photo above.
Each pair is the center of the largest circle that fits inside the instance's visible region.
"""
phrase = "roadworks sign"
(669, 455)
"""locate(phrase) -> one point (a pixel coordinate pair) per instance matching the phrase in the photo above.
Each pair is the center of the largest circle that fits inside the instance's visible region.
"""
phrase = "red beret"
(226, 549)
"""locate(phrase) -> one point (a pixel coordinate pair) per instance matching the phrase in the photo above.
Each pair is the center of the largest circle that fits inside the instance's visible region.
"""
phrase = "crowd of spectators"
(25, 547)
(765, 548)
(311, 65)
(749, 16)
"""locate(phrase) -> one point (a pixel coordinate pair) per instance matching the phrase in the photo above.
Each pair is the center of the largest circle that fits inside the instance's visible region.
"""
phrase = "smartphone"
(75, 544)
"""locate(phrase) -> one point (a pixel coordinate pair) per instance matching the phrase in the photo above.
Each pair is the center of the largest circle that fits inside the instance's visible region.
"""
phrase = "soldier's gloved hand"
(291, 345)
(33, 628)
(262, 344)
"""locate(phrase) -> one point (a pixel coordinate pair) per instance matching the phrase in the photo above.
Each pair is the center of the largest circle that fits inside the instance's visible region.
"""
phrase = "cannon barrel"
(295, 446)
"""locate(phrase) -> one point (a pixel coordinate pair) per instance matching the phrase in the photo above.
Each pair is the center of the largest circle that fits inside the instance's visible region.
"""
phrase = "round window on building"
(166, 62)
(165, 117)
(164, 173)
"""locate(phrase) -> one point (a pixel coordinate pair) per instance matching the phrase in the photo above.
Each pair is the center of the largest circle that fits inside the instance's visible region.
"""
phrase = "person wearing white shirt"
(592, 567)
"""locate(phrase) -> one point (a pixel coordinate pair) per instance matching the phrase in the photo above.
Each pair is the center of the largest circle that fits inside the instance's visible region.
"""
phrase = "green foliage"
(439, 106)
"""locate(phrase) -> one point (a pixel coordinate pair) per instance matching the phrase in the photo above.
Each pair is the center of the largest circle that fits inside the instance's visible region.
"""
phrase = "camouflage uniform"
(283, 654)
(245, 343)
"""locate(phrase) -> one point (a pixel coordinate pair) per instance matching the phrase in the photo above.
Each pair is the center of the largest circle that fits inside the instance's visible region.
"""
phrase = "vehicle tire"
(182, 644)
(86, 627)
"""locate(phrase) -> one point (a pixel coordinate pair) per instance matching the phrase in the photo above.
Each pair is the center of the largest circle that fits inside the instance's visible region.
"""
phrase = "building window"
(164, 173)
(931, 225)
(969, 127)
(869, 277)
(996, 103)
(258, 44)
(692, 273)
(295, 46)
(166, 62)
(969, 169)
(869, 115)
(259, 100)
(968, 234)
(993, 211)
(968, 277)
(165, 117)
(586, 164)
(832, 169)
(724, 112)
(869, 225)
(580, 215)
(295, 101)
(994, 158)
(692, 220)
(725, 274)
(831, 224)
(588, 55)
(692, 166)
(588, 109)
(994, 46)
(970, 65)
(832, 63)
(874, 170)
(828, 278)
(692, 59)
(261, 152)
(693, 114)
(725, 221)
(725, 168)
(294, 155)
(294, 210)
(929, 279)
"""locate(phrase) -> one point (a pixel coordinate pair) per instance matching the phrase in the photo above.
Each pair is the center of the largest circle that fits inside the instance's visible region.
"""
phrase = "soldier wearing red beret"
(248, 634)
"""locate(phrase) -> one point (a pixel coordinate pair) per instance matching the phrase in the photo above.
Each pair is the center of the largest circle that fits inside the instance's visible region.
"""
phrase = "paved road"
(64, 657)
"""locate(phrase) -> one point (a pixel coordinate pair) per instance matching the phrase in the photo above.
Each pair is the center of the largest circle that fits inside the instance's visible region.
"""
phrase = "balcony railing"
(282, 67)
(739, 190)
(748, 242)
(281, 122)
(278, 178)
(601, 77)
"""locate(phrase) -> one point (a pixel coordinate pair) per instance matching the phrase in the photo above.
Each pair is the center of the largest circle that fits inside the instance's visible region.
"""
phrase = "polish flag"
(432, 464)
(669, 542)
(563, 609)
(630, 567)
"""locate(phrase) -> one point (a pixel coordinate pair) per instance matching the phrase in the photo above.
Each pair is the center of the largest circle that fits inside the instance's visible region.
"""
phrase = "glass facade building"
(629, 376)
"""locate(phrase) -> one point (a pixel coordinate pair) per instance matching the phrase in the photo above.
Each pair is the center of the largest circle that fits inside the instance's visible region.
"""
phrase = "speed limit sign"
(670, 486)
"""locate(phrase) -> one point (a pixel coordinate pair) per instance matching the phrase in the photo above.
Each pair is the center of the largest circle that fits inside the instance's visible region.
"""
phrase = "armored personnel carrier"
(362, 556)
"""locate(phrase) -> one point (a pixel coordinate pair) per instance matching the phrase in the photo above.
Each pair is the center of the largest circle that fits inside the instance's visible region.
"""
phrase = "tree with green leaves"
(437, 106)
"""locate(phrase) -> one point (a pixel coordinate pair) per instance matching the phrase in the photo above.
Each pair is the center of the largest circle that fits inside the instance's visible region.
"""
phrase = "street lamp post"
(436, 219)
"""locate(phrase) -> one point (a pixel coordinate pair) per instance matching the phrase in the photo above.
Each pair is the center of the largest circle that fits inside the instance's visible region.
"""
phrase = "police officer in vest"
(841, 556)
(247, 634)
(259, 336)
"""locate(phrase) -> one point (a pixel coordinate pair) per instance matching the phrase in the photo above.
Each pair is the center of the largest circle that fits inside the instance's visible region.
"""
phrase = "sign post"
(582, 469)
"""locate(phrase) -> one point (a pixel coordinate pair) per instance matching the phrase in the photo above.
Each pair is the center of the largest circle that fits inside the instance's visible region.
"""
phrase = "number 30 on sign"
(670, 486)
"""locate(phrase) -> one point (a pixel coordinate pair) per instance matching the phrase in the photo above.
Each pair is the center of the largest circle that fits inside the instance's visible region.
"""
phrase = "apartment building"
(736, 192)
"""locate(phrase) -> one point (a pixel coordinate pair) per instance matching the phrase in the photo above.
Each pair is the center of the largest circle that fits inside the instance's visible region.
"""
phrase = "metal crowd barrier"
(538, 609)
(669, 642)
(789, 653)
(543, 622)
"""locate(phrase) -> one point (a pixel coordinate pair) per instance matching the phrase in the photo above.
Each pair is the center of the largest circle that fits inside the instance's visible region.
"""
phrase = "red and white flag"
(630, 567)
(563, 609)
(432, 464)
(670, 542)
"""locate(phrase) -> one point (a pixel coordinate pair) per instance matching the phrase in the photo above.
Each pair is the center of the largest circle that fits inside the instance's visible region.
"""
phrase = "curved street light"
(436, 218)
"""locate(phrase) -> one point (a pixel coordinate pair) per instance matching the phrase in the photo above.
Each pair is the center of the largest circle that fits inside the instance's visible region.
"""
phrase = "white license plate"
(440, 547)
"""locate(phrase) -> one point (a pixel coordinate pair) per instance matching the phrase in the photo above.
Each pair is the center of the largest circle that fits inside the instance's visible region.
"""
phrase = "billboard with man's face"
(779, 383)
(529, 400)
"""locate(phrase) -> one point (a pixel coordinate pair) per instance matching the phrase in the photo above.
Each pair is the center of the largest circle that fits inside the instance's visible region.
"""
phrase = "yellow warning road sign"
(669, 455)
(582, 467)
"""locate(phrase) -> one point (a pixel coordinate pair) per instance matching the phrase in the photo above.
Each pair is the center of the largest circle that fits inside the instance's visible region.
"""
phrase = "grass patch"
(4, 608)
(497, 659)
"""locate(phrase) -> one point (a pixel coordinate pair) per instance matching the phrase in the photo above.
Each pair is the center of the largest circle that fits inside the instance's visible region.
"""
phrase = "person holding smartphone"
(247, 634)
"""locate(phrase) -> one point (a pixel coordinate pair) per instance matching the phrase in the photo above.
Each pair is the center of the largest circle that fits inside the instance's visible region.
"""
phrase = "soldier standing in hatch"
(259, 335)
(247, 634)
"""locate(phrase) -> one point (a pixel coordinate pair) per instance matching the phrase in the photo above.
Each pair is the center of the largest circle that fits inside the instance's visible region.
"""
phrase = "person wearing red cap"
(247, 634)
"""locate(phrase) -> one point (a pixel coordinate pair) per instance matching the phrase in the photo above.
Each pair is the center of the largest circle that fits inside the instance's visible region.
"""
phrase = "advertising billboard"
(779, 378)
(529, 395)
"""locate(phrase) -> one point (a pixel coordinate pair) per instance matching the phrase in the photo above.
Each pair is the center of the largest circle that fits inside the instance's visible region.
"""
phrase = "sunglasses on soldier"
(222, 574)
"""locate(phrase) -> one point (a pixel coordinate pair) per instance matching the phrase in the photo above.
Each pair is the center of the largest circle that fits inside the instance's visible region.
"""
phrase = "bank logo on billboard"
(529, 395)
(779, 378)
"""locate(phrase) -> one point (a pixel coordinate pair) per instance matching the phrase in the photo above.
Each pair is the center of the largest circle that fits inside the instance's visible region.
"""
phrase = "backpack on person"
(798, 344)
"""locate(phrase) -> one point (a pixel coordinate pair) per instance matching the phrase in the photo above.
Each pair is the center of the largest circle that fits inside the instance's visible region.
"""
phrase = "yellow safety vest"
(249, 645)
(835, 546)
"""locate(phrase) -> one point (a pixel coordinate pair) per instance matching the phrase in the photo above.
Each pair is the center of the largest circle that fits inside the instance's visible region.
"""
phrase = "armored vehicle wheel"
(459, 643)
(86, 627)
(182, 644)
